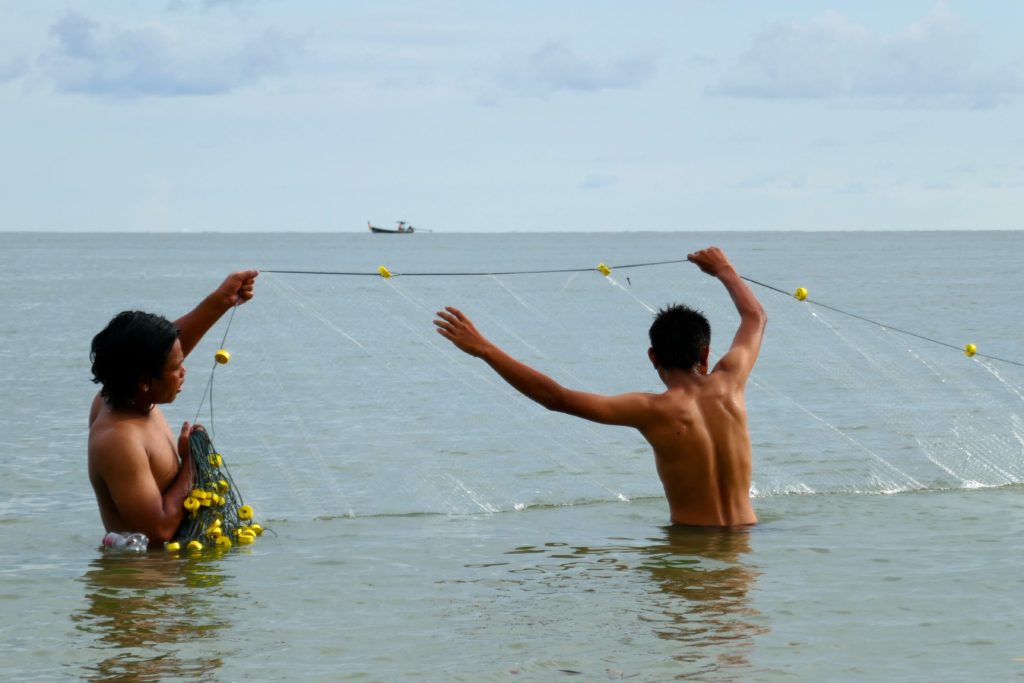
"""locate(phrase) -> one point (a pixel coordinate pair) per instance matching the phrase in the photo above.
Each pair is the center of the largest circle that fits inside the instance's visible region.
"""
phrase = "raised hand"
(454, 326)
(237, 288)
(711, 260)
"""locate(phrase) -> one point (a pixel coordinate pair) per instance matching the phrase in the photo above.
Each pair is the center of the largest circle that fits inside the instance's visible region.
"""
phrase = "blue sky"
(234, 115)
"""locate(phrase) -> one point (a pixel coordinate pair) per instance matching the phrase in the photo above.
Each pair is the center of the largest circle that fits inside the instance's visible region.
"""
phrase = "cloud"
(772, 181)
(598, 182)
(12, 69)
(214, 3)
(937, 61)
(700, 60)
(181, 5)
(554, 68)
(154, 61)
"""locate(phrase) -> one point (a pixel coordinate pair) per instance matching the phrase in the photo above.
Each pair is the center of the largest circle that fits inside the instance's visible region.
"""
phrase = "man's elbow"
(554, 399)
(163, 530)
(758, 316)
(552, 402)
(569, 402)
(163, 536)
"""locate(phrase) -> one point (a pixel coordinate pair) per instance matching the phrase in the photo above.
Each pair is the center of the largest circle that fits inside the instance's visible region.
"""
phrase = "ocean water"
(428, 524)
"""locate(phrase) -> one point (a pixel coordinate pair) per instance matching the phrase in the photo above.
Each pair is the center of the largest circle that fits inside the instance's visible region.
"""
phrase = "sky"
(267, 115)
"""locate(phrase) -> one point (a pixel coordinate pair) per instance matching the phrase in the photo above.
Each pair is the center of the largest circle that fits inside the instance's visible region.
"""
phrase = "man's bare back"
(702, 452)
(135, 470)
(697, 427)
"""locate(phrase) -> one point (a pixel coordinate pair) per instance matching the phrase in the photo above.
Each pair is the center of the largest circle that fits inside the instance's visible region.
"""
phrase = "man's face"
(165, 388)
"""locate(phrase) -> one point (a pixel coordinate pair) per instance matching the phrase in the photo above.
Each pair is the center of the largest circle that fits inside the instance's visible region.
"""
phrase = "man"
(697, 427)
(139, 473)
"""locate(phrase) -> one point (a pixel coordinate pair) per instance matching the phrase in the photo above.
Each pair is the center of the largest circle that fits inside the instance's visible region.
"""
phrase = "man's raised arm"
(747, 343)
(236, 289)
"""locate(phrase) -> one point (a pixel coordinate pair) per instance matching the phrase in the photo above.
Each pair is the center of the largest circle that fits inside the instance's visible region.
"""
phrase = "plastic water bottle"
(127, 542)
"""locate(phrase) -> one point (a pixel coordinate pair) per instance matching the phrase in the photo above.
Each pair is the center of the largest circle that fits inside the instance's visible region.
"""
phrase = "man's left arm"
(236, 289)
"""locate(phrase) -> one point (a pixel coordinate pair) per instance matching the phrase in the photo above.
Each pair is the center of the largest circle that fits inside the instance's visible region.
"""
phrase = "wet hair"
(678, 335)
(134, 345)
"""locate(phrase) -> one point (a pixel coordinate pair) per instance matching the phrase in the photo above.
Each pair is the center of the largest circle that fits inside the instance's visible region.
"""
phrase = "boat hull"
(386, 231)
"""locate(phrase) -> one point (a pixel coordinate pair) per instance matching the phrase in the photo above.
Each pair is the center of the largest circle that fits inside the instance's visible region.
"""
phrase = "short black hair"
(678, 335)
(132, 346)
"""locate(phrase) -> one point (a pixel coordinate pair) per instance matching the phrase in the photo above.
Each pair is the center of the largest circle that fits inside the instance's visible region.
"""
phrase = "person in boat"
(697, 428)
(139, 472)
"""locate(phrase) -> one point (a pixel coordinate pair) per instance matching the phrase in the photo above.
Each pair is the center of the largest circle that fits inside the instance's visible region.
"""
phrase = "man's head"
(137, 356)
(680, 338)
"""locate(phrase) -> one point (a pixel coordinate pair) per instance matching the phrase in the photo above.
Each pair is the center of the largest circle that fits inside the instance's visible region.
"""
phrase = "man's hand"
(459, 330)
(711, 260)
(185, 452)
(237, 288)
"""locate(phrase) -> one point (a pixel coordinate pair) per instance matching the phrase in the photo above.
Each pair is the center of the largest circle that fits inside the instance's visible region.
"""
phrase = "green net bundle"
(216, 515)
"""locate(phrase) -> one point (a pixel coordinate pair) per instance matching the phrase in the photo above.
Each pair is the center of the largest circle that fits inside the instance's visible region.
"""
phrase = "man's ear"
(704, 358)
(654, 359)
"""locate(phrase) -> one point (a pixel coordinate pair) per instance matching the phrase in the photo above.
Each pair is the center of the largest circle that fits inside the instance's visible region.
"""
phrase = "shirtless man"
(139, 472)
(697, 428)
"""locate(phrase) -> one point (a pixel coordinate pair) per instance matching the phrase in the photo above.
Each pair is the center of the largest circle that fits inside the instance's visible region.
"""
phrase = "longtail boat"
(391, 231)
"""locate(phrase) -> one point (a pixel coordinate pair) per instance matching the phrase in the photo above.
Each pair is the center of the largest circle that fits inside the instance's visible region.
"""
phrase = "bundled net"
(216, 514)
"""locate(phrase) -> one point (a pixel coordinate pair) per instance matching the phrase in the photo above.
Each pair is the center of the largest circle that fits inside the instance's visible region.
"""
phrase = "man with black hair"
(697, 427)
(139, 472)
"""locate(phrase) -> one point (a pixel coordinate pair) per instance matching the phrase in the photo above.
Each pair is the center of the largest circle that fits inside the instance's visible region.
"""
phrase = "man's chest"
(161, 451)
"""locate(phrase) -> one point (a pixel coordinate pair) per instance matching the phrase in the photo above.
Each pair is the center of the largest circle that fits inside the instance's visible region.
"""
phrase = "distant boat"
(392, 231)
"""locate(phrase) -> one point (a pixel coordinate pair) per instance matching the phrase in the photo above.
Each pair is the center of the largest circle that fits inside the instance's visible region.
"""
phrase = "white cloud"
(555, 67)
(937, 61)
(153, 60)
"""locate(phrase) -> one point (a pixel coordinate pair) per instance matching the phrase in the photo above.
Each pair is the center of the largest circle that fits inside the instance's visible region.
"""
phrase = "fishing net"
(216, 515)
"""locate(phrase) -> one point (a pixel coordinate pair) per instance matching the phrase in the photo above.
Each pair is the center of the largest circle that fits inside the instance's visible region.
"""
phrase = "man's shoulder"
(725, 377)
(716, 385)
(670, 401)
(112, 433)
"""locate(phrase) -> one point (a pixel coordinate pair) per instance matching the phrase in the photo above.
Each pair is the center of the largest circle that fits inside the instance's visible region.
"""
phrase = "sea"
(427, 523)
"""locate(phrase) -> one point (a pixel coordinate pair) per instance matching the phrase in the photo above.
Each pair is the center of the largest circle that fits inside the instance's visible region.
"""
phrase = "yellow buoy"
(172, 546)
(223, 542)
(970, 350)
(800, 293)
(222, 356)
(216, 460)
(245, 512)
(256, 529)
(384, 272)
(191, 504)
(195, 545)
(246, 537)
(604, 270)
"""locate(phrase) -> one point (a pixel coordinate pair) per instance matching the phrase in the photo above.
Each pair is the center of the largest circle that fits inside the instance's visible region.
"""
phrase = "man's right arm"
(741, 356)
(236, 289)
(628, 410)
(125, 470)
